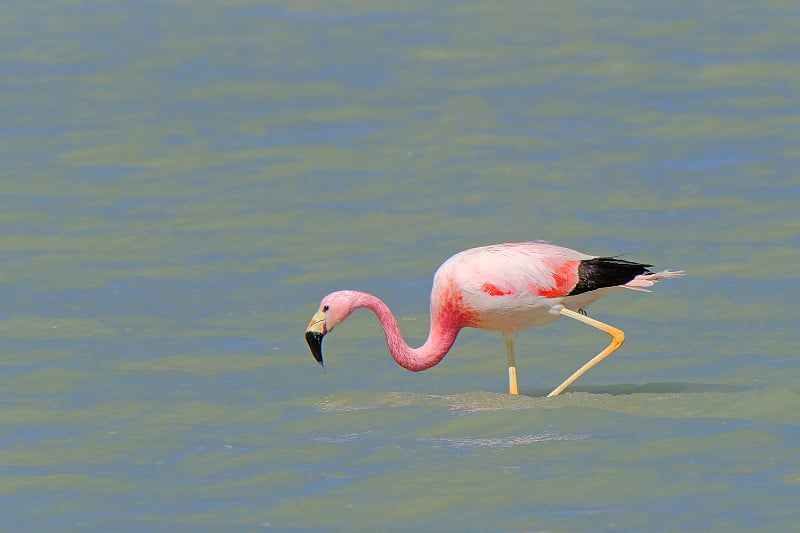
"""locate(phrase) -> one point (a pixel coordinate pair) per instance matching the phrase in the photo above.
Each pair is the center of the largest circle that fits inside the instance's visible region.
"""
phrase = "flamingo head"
(333, 309)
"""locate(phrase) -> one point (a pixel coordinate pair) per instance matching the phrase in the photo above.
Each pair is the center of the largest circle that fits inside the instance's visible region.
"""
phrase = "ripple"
(502, 443)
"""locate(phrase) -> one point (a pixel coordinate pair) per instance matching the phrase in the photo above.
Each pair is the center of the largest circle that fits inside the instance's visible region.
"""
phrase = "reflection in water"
(651, 388)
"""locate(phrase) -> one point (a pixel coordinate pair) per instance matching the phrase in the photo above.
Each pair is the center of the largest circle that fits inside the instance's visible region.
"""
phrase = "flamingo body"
(505, 287)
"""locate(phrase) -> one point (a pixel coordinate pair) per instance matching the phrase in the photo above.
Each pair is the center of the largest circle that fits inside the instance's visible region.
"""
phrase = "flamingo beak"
(315, 331)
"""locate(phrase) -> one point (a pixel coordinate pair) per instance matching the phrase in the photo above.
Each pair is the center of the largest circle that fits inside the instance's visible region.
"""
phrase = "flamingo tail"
(640, 282)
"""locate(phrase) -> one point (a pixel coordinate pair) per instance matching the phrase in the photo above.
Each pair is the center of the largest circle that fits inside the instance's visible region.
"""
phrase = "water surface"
(182, 182)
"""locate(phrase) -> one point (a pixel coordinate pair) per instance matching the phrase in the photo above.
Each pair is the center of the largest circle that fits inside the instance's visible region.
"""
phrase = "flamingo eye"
(325, 308)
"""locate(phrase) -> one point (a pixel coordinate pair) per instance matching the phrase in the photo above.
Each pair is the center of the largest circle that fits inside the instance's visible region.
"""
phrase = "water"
(183, 182)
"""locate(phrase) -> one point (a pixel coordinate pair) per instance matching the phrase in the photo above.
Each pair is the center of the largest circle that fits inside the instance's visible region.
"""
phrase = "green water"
(182, 182)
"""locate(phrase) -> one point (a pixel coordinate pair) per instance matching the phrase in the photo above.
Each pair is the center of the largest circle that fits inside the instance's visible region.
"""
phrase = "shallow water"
(182, 183)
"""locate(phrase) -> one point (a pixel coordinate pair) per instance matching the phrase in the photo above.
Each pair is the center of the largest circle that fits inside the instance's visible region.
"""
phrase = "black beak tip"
(314, 340)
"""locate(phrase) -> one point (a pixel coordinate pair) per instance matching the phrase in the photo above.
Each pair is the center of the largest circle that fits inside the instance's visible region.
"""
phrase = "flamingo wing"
(520, 269)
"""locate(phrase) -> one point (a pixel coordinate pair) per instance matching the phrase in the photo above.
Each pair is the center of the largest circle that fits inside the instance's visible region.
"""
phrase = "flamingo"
(503, 287)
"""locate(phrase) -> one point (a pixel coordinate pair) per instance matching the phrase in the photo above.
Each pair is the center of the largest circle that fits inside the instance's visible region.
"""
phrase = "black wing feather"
(602, 272)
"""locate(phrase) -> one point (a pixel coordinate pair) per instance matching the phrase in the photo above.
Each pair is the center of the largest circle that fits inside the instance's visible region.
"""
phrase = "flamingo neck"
(441, 336)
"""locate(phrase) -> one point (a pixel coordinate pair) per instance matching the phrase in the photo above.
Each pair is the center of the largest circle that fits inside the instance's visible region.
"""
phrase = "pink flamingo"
(504, 287)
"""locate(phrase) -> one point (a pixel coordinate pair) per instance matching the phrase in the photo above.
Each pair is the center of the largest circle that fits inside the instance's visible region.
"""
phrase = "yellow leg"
(512, 367)
(617, 338)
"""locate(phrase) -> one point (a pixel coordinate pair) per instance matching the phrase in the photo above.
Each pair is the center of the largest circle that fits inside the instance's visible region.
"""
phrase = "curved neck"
(441, 336)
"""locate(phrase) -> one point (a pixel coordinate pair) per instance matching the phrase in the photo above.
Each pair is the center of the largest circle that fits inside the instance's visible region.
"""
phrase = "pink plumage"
(504, 287)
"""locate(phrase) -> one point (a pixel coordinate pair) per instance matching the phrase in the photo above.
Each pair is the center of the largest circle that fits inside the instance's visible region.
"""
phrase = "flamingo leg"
(617, 338)
(512, 367)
